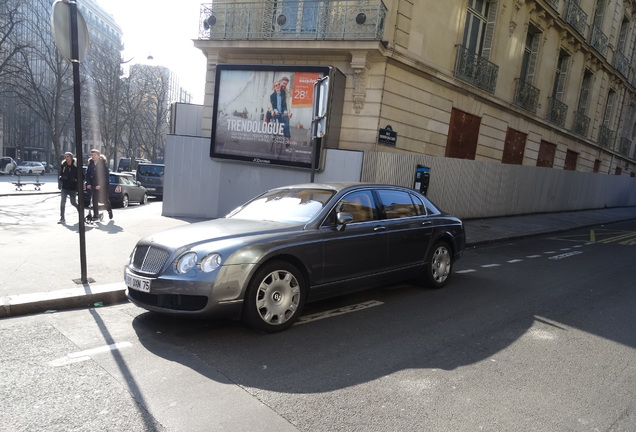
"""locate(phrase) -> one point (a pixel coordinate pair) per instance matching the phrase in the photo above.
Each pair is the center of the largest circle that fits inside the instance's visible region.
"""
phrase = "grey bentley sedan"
(294, 244)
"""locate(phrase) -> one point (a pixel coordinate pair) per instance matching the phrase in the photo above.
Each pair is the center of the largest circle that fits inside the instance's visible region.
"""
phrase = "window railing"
(606, 137)
(625, 146)
(621, 63)
(476, 70)
(554, 4)
(302, 20)
(576, 17)
(598, 40)
(581, 124)
(526, 96)
(557, 112)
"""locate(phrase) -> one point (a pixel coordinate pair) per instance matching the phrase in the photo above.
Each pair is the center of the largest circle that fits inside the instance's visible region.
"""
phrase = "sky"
(164, 30)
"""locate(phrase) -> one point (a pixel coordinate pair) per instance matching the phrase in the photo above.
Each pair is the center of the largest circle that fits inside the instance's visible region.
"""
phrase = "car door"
(408, 228)
(361, 248)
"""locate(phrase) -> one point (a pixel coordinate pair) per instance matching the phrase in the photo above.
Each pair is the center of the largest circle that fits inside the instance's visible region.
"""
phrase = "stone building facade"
(546, 83)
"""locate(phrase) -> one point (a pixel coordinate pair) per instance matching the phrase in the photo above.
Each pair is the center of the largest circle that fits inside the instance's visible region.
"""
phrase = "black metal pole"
(78, 135)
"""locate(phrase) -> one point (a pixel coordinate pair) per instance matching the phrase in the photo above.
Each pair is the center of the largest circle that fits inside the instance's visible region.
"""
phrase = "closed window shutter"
(490, 30)
(563, 72)
(534, 54)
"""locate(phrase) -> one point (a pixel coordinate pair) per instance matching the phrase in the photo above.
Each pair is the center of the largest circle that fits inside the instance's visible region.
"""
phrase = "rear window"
(150, 170)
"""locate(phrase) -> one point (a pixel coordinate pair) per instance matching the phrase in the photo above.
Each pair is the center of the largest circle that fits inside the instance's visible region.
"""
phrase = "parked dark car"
(294, 244)
(123, 189)
(151, 177)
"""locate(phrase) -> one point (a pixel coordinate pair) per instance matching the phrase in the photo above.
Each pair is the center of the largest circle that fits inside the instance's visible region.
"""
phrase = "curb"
(96, 296)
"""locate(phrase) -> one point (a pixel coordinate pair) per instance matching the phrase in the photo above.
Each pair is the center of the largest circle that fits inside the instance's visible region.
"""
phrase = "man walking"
(67, 184)
(97, 183)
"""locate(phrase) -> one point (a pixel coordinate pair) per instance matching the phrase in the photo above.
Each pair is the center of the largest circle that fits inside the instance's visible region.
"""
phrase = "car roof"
(336, 186)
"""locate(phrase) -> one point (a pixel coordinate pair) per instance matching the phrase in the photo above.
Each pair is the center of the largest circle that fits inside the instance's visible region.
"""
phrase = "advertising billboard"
(263, 114)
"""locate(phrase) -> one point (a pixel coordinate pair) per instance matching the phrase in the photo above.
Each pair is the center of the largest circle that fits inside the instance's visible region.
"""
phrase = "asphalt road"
(530, 335)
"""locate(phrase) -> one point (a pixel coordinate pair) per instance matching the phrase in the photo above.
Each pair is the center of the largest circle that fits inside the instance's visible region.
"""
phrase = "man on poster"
(280, 113)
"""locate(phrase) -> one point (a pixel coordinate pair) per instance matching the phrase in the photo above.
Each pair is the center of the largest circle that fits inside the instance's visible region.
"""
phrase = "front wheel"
(144, 199)
(275, 297)
(439, 265)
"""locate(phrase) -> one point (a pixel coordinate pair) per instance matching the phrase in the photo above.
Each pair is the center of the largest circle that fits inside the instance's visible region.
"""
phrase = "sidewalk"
(48, 276)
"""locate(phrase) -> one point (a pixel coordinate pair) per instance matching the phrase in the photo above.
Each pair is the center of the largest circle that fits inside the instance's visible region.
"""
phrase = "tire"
(275, 297)
(144, 199)
(439, 265)
(125, 201)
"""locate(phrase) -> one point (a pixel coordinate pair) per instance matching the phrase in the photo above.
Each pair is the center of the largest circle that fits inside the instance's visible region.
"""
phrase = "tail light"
(118, 189)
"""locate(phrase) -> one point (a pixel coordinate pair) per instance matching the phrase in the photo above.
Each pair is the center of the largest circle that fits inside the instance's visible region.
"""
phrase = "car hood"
(226, 230)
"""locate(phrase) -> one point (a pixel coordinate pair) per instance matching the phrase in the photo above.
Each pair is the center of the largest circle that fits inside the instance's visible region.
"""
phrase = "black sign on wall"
(387, 136)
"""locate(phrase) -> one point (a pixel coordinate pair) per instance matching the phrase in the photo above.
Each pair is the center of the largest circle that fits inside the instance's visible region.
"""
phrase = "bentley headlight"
(186, 262)
(210, 262)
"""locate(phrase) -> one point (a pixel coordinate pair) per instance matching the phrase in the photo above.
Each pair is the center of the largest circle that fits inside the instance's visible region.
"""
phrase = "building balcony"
(576, 17)
(581, 124)
(598, 40)
(293, 20)
(606, 137)
(621, 63)
(476, 70)
(526, 96)
(557, 112)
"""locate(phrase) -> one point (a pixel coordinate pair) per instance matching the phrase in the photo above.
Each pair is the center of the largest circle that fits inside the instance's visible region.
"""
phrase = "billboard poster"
(263, 114)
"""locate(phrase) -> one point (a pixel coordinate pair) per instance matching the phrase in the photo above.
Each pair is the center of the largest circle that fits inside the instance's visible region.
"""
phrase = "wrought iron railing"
(576, 17)
(302, 20)
(581, 124)
(598, 40)
(621, 63)
(554, 4)
(526, 96)
(606, 137)
(476, 70)
(625, 146)
(557, 112)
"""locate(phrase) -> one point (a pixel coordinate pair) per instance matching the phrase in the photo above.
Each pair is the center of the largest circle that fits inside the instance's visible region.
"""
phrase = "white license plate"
(137, 283)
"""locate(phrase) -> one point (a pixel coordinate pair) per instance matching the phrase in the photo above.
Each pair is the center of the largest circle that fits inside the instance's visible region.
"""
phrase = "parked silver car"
(30, 167)
(290, 245)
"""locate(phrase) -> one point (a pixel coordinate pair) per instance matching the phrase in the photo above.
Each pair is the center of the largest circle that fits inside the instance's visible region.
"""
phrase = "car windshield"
(287, 205)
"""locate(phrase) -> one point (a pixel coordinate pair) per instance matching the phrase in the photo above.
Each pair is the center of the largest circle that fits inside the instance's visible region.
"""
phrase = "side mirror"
(342, 220)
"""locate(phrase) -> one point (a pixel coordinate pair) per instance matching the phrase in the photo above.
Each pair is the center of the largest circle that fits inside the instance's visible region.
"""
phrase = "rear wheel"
(439, 265)
(275, 297)
(125, 201)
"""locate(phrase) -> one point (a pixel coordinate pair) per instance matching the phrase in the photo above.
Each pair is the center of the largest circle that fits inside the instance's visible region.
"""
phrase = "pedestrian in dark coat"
(97, 183)
(67, 182)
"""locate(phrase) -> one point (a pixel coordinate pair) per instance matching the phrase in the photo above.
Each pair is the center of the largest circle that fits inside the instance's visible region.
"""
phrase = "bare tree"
(150, 85)
(107, 96)
(10, 44)
(45, 84)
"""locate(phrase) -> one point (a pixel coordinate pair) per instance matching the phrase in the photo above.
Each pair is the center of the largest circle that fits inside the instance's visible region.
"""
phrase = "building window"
(514, 147)
(462, 135)
(546, 154)
(530, 54)
(570, 160)
(597, 165)
(479, 28)
(584, 94)
(557, 110)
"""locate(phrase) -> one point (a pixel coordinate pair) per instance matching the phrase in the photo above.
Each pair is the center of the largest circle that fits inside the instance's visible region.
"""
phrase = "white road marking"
(86, 355)
(565, 255)
(340, 311)
(533, 256)
(514, 261)
(466, 271)
(491, 265)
